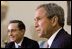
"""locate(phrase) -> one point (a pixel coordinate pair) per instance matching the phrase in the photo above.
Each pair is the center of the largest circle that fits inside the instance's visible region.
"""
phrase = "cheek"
(16, 35)
(19, 35)
(43, 24)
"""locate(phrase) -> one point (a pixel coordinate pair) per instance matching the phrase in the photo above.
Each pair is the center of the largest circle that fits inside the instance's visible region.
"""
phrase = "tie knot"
(46, 45)
(19, 46)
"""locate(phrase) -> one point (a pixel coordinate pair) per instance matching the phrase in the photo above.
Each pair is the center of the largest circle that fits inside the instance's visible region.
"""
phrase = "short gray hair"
(52, 10)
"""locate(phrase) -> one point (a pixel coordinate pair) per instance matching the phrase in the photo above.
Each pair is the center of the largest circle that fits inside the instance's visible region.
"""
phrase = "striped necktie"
(19, 46)
(46, 45)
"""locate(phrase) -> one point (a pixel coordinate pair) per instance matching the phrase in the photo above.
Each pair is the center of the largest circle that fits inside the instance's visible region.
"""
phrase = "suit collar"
(50, 40)
(57, 38)
(22, 45)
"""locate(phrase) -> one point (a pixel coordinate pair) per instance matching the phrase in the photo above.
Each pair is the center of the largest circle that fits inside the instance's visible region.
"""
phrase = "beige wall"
(24, 10)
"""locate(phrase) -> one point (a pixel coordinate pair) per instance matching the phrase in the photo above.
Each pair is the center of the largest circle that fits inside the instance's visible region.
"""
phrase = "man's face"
(4, 10)
(42, 23)
(14, 33)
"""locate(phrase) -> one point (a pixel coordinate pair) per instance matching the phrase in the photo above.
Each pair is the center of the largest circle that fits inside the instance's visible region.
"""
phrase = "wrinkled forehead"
(40, 12)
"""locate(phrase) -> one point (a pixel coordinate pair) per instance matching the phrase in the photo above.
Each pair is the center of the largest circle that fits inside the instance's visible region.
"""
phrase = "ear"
(54, 21)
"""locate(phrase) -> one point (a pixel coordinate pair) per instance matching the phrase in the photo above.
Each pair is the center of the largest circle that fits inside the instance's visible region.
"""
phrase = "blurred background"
(25, 11)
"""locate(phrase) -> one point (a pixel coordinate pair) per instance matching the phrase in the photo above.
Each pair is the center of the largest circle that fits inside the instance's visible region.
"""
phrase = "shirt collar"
(18, 44)
(52, 37)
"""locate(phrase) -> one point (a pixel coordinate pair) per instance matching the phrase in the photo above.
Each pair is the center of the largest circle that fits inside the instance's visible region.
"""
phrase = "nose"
(10, 34)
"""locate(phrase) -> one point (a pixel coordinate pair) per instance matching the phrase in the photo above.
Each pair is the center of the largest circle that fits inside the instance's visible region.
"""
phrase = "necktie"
(46, 45)
(19, 46)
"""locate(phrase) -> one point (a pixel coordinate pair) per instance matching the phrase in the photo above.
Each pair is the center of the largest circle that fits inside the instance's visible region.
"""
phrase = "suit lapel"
(56, 41)
(13, 46)
(23, 43)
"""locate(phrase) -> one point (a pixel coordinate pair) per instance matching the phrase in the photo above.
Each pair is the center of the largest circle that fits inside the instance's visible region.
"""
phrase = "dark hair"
(21, 25)
(52, 10)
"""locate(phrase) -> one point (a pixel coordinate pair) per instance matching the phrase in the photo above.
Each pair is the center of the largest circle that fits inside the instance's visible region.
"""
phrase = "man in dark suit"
(16, 31)
(49, 23)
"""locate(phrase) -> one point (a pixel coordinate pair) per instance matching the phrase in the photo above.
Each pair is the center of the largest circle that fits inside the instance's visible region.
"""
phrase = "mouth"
(38, 30)
(11, 38)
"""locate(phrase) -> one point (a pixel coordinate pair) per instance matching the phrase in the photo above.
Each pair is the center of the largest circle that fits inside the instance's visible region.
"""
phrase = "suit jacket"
(27, 43)
(62, 40)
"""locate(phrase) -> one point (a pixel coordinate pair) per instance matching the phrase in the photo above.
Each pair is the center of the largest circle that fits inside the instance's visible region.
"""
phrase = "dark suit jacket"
(27, 43)
(62, 40)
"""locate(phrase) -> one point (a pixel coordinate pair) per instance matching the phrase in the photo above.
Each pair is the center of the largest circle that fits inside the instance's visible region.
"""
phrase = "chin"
(41, 35)
(12, 40)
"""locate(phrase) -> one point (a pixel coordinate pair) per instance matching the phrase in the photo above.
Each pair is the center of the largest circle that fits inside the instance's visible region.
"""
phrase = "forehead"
(40, 12)
(13, 25)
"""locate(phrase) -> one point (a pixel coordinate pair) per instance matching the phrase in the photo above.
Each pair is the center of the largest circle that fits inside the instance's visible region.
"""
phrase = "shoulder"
(63, 39)
(31, 43)
(67, 39)
(29, 40)
(9, 45)
(62, 34)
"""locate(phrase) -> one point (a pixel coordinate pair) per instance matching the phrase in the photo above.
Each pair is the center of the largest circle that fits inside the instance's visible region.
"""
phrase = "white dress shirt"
(18, 44)
(50, 40)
